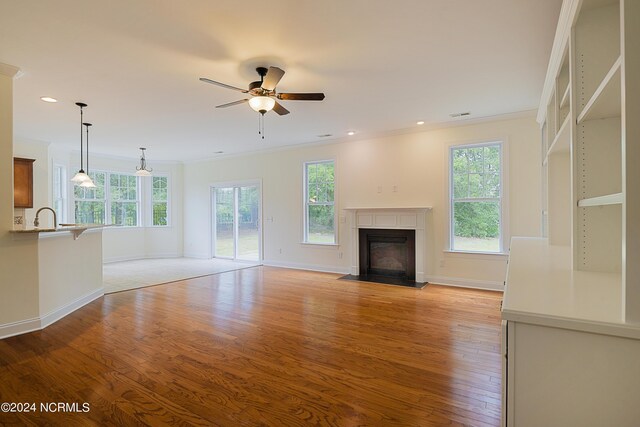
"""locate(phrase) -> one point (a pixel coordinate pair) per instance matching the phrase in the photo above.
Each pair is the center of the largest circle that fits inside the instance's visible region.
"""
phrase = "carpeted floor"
(122, 276)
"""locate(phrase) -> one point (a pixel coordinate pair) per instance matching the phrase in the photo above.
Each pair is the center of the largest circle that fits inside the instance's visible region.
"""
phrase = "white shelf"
(565, 97)
(609, 199)
(542, 289)
(561, 143)
(605, 101)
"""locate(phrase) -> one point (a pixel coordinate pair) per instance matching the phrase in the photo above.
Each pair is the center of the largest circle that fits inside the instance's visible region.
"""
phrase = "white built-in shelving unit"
(572, 298)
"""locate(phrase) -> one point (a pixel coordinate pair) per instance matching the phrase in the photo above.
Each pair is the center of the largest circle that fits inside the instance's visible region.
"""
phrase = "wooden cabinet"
(572, 299)
(22, 182)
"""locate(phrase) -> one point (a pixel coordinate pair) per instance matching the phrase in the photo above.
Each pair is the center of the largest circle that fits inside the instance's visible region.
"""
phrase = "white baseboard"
(135, 258)
(310, 267)
(440, 280)
(466, 283)
(197, 255)
(30, 325)
(18, 328)
(69, 308)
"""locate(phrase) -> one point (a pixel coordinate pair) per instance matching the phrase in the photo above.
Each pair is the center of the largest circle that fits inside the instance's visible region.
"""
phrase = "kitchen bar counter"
(67, 272)
(75, 229)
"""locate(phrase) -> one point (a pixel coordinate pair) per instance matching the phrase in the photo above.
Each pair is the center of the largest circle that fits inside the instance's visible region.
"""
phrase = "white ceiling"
(382, 64)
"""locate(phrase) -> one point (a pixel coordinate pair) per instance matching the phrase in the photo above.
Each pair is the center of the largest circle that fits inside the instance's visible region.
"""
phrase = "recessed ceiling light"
(351, 133)
(48, 99)
(420, 122)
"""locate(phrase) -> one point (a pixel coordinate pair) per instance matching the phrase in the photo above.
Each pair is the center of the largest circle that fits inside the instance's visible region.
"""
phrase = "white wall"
(18, 277)
(416, 164)
(70, 270)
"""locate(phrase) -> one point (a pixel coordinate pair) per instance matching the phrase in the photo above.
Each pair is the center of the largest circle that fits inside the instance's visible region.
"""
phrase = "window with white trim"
(123, 198)
(319, 202)
(91, 203)
(160, 201)
(60, 192)
(114, 200)
(475, 180)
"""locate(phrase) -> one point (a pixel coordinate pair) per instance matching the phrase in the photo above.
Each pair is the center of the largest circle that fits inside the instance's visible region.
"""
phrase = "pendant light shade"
(89, 182)
(262, 104)
(143, 170)
(80, 176)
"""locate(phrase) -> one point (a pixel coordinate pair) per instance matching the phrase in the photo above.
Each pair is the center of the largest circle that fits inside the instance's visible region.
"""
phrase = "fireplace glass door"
(387, 252)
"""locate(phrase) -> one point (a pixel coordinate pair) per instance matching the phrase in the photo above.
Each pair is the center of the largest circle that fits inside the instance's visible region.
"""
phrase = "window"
(476, 197)
(60, 192)
(119, 198)
(90, 203)
(319, 200)
(123, 195)
(159, 201)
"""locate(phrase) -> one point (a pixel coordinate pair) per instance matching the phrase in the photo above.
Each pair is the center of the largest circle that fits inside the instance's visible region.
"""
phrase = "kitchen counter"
(75, 229)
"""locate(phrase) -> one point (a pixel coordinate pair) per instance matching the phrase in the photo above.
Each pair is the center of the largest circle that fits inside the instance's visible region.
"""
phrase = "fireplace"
(387, 252)
(397, 253)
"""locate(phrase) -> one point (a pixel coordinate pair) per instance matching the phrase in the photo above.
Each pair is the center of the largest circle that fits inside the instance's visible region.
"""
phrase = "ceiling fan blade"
(213, 82)
(278, 108)
(272, 78)
(301, 96)
(231, 104)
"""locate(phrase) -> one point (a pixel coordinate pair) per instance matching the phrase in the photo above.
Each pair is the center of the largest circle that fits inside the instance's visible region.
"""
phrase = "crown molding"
(9, 70)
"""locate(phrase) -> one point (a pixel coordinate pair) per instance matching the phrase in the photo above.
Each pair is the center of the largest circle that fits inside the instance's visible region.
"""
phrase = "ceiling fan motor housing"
(254, 85)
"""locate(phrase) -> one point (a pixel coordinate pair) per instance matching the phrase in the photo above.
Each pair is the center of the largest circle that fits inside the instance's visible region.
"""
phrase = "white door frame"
(212, 213)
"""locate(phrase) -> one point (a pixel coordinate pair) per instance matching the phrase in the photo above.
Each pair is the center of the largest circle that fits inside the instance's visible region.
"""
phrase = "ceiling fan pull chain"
(259, 125)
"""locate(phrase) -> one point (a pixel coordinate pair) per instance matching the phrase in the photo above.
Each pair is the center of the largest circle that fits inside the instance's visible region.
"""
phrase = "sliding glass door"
(236, 221)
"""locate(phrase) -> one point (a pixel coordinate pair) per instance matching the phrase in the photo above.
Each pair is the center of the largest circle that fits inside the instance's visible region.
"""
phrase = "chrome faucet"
(36, 222)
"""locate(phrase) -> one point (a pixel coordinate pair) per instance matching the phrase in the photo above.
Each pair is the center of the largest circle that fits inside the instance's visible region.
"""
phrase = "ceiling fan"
(263, 92)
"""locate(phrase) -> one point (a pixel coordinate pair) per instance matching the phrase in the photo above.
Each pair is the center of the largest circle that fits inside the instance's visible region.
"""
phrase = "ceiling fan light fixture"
(262, 104)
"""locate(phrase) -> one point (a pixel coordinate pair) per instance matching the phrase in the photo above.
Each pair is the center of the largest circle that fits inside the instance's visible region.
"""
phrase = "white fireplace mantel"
(399, 218)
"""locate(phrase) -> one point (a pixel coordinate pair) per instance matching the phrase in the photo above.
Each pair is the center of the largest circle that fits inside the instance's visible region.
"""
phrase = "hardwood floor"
(265, 346)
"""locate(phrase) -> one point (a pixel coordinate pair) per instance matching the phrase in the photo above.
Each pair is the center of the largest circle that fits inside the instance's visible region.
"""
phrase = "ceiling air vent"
(456, 115)
(325, 135)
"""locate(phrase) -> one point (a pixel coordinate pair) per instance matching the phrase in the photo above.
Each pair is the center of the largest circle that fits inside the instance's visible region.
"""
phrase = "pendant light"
(80, 176)
(143, 170)
(88, 183)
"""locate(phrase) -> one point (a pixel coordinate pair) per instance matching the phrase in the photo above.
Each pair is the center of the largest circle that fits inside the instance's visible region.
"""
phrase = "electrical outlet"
(379, 189)
(441, 263)
(339, 255)
(280, 250)
(395, 188)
